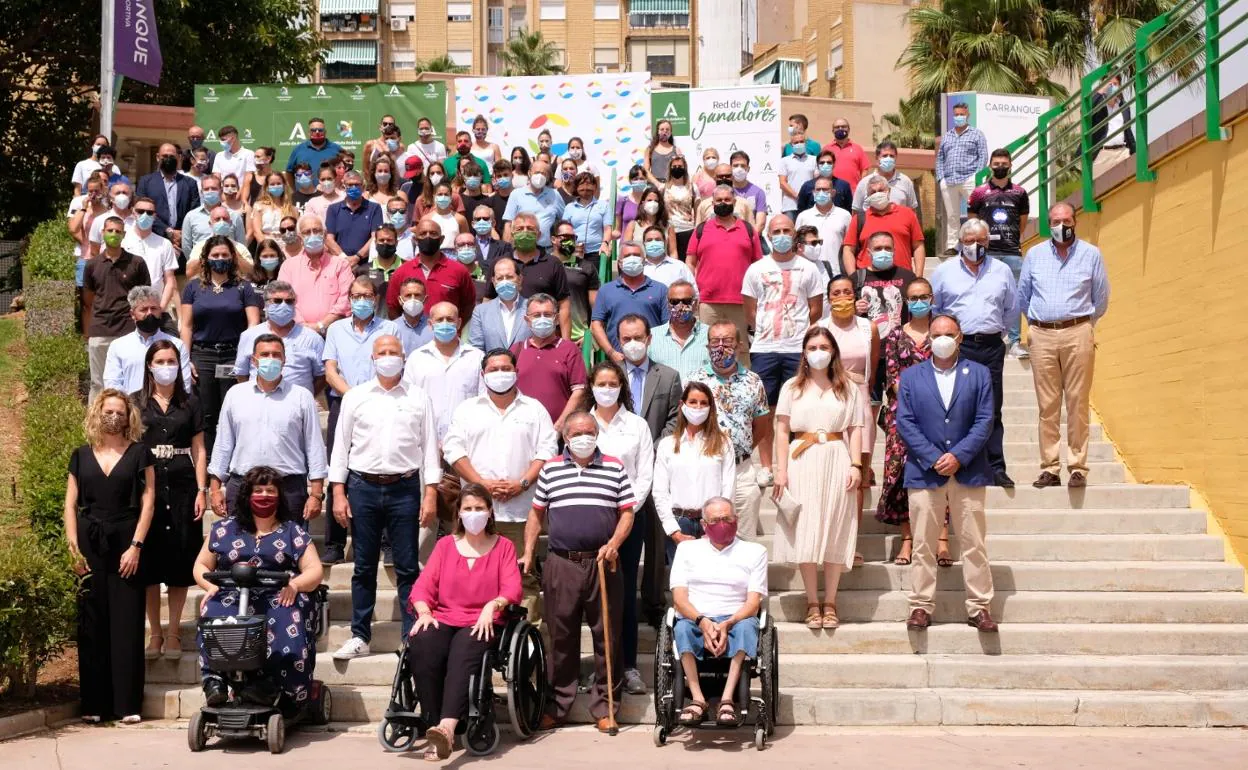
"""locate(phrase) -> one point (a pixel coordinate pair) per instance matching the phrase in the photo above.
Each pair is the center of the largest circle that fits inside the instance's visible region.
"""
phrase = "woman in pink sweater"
(470, 578)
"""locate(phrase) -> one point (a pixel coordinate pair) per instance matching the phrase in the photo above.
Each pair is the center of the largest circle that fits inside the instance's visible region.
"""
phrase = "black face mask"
(1000, 172)
(149, 324)
(197, 142)
(567, 247)
(386, 250)
(678, 172)
(723, 209)
(429, 246)
(168, 164)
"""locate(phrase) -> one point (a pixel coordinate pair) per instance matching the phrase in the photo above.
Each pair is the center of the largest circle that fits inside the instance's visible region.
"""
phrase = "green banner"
(277, 116)
(672, 106)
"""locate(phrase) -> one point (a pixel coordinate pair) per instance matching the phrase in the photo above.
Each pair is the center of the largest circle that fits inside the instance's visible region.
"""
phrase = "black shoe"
(387, 556)
(333, 554)
(1003, 480)
(215, 692)
(1047, 479)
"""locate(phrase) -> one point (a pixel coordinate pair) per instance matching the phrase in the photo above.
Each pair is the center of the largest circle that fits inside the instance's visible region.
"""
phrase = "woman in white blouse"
(626, 437)
(691, 466)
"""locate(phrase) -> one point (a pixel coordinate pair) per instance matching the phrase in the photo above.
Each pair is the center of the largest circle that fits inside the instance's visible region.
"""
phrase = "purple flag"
(136, 49)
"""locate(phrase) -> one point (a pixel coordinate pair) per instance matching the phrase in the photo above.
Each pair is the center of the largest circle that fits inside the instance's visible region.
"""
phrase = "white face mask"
(413, 307)
(388, 366)
(695, 415)
(583, 446)
(739, 173)
(575, 153)
(435, 178)
(878, 200)
(944, 346)
(650, 207)
(500, 382)
(537, 181)
(121, 202)
(710, 163)
(634, 350)
(606, 396)
(474, 521)
(165, 374)
(819, 359)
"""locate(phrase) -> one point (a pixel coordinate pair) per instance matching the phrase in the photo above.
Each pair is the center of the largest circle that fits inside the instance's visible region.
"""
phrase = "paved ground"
(164, 745)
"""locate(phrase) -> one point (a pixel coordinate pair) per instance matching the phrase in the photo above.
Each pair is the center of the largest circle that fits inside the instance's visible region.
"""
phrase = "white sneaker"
(1018, 351)
(352, 648)
(764, 477)
(132, 719)
(632, 682)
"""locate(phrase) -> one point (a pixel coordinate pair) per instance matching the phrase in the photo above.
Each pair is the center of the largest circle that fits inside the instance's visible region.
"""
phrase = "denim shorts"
(743, 637)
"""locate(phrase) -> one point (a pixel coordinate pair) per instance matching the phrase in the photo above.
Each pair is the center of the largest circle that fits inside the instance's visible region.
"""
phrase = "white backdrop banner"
(610, 113)
(1004, 118)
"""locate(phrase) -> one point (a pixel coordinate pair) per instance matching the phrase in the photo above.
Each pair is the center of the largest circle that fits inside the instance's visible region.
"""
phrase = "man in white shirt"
(235, 159)
(125, 365)
(831, 221)
(384, 472)
(718, 584)
(84, 167)
(157, 252)
(123, 198)
(795, 170)
(501, 440)
(900, 186)
(782, 294)
(660, 266)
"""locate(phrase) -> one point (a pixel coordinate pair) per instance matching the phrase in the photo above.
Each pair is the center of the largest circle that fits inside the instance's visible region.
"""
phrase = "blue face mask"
(881, 260)
(303, 181)
(442, 201)
(280, 313)
(314, 243)
(782, 243)
(822, 197)
(355, 193)
(269, 369)
(473, 182)
(542, 326)
(276, 190)
(270, 263)
(888, 163)
(222, 228)
(482, 227)
(363, 308)
(398, 220)
(145, 221)
(919, 307)
(211, 197)
(219, 265)
(655, 249)
(444, 331)
(631, 266)
(503, 183)
(506, 290)
(825, 169)
(960, 120)
(392, 145)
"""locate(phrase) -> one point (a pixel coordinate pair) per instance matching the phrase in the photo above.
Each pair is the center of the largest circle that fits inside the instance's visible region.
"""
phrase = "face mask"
(812, 251)
(959, 120)
(567, 247)
(482, 227)
(363, 308)
(314, 243)
(222, 227)
(392, 145)
(537, 181)
(145, 221)
(841, 133)
(268, 369)
(303, 181)
(428, 246)
(878, 201)
(682, 316)
(842, 307)
(388, 366)
(819, 359)
(225, 145)
(710, 163)
(165, 374)
(1063, 233)
(882, 260)
(721, 533)
(466, 255)
(695, 415)
(655, 249)
(723, 358)
(576, 153)
(503, 183)
(678, 172)
(327, 186)
(442, 201)
(782, 243)
(279, 313)
(634, 350)
(632, 266)
(382, 177)
(650, 207)
(414, 307)
(567, 176)
(473, 182)
(276, 190)
(739, 173)
(474, 521)
(799, 149)
(386, 250)
(507, 290)
(220, 265)
(543, 327)
(398, 219)
(112, 240)
(919, 307)
(583, 446)
(148, 324)
(973, 252)
(665, 136)
(525, 240)
(1000, 172)
(606, 397)
(888, 163)
(425, 133)
(121, 202)
(263, 507)
(113, 422)
(944, 346)
(500, 382)
(355, 193)
(290, 237)
(197, 142)
(211, 197)
(479, 133)
(168, 164)
(723, 209)
(444, 331)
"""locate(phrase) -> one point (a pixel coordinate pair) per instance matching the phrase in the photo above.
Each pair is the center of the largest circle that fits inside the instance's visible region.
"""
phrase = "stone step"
(1045, 522)
(859, 707)
(1064, 548)
(1028, 453)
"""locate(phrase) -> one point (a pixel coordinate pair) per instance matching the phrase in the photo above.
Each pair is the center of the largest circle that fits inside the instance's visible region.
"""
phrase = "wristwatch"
(137, 544)
(319, 498)
(525, 484)
(698, 620)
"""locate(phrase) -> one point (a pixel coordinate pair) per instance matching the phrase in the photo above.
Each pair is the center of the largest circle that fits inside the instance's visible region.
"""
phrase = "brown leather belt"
(385, 479)
(1069, 322)
(694, 514)
(577, 556)
(810, 439)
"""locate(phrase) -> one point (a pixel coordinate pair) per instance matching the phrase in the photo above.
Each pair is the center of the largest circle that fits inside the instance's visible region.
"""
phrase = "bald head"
(444, 311)
(387, 345)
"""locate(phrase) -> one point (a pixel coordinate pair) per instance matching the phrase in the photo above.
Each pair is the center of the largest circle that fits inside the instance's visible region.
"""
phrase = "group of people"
(741, 352)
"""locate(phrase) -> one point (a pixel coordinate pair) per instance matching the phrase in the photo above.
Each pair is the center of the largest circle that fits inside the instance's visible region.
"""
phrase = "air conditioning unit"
(398, 24)
(600, 70)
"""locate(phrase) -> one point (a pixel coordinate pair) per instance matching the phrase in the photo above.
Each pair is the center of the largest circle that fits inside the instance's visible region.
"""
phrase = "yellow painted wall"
(1171, 382)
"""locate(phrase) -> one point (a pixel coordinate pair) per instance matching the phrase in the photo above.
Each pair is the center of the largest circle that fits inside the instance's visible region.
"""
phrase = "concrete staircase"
(1117, 609)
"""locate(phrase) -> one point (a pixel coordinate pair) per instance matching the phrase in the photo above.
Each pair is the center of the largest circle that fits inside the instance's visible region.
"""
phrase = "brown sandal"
(727, 715)
(829, 619)
(814, 616)
(946, 560)
(692, 714)
(440, 743)
(902, 560)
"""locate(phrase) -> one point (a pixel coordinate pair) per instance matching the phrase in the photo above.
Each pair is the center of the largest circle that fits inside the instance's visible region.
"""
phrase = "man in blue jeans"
(718, 584)
(384, 471)
(1004, 206)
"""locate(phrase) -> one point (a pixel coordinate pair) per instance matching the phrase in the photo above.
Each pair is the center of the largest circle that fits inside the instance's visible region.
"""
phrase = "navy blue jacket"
(153, 186)
(930, 430)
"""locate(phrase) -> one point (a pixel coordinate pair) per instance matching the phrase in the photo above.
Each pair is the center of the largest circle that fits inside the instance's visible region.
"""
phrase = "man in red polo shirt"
(851, 159)
(549, 368)
(720, 250)
(445, 280)
(882, 215)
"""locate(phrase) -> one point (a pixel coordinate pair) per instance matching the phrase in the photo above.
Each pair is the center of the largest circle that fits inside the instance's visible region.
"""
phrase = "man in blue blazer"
(500, 322)
(944, 414)
(166, 186)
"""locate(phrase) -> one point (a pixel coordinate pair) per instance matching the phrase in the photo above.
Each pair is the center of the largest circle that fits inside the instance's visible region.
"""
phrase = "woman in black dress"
(109, 500)
(173, 429)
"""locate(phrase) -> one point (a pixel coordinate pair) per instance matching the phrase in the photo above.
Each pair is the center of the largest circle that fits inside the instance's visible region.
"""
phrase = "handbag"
(787, 509)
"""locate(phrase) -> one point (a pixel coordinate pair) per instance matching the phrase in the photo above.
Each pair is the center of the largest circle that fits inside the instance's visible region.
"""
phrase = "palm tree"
(528, 53)
(1112, 24)
(912, 125)
(441, 64)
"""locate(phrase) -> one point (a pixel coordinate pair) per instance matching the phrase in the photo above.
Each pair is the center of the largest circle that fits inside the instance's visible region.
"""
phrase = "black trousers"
(111, 669)
(653, 572)
(989, 350)
(442, 660)
(210, 388)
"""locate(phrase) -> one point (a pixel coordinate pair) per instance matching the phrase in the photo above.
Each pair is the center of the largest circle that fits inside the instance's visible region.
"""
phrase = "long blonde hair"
(284, 204)
(93, 427)
(713, 438)
(836, 371)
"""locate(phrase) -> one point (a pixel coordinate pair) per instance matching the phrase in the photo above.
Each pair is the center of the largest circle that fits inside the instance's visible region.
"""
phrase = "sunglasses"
(284, 230)
(276, 301)
(145, 211)
(482, 219)
(316, 130)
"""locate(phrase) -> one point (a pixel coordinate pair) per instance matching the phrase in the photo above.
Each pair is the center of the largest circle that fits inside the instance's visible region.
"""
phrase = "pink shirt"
(321, 290)
(457, 593)
(724, 254)
(320, 204)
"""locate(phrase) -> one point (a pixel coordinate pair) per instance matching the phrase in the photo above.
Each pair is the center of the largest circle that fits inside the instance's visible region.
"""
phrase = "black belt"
(694, 514)
(744, 457)
(385, 479)
(983, 337)
(576, 556)
(217, 346)
(1051, 325)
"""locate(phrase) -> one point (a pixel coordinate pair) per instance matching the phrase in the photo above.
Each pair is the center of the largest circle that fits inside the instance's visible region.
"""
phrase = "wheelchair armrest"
(670, 617)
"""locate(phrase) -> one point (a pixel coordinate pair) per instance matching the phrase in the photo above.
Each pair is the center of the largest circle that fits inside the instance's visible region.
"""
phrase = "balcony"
(658, 14)
(351, 60)
(349, 19)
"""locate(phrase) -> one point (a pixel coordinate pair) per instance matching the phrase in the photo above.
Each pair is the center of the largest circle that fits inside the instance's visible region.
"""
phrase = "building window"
(812, 70)
(461, 57)
(553, 10)
(661, 64)
(403, 59)
(495, 29)
(606, 10)
(517, 20)
(459, 11)
(403, 11)
(660, 57)
(606, 57)
(351, 22)
(658, 13)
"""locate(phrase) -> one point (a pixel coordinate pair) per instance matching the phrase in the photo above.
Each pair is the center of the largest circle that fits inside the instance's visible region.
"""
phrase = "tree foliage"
(50, 71)
(440, 64)
(528, 53)
(913, 125)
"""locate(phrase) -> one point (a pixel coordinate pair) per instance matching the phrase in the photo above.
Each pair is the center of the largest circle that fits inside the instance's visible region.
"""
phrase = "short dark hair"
(804, 231)
(877, 234)
(226, 130)
(739, 155)
(389, 228)
(495, 353)
(315, 120)
(267, 339)
(826, 154)
(633, 317)
(887, 144)
(962, 106)
(800, 120)
(107, 149)
(272, 153)
(1000, 152)
(412, 280)
(502, 166)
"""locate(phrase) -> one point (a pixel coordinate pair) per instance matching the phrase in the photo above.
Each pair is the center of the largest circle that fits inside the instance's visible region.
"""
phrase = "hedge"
(50, 253)
(38, 609)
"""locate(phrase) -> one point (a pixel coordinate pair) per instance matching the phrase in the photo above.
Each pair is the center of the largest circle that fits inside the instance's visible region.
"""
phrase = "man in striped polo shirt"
(585, 499)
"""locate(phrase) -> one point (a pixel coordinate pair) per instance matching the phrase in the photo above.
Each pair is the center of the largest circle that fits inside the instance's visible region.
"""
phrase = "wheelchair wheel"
(197, 732)
(396, 738)
(482, 736)
(275, 734)
(659, 735)
(760, 738)
(526, 680)
(321, 708)
(664, 697)
(769, 676)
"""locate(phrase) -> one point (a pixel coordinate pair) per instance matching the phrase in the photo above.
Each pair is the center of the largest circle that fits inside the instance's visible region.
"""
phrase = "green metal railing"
(1060, 150)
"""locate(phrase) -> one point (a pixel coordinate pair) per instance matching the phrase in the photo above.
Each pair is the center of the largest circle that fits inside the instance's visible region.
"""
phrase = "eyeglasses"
(316, 130)
(354, 297)
(482, 219)
(815, 242)
(145, 211)
(680, 302)
(280, 301)
(920, 298)
(387, 125)
(723, 342)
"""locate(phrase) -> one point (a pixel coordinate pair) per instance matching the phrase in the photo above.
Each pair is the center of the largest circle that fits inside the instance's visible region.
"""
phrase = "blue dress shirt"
(282, 431)
(982, 302)
(353, 350)
(589, 221)
(1051, 289)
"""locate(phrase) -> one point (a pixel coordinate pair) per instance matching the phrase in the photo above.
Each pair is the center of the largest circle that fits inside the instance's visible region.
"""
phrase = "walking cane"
(614, 728)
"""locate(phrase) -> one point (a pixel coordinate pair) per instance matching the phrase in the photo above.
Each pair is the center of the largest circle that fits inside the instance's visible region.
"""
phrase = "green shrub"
(54, 361)
(52, 429)
(50, 253)
(38, 592)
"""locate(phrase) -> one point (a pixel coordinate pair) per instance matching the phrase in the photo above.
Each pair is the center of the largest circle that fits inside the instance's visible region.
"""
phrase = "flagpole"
(107, 69)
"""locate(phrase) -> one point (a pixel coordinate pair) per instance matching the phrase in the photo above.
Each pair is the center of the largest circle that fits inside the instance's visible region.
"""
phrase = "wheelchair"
(518, 654)
(237, 647)
(671, 692)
